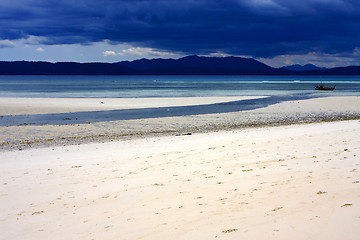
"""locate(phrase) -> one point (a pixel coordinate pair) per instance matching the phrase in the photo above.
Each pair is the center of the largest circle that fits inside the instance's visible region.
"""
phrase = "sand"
(288, 182)
(289, 170)
(75, 127)
(19, 106)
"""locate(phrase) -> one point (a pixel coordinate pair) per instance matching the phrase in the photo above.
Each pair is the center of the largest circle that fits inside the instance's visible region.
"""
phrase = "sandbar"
(26, 105)
(88, 120)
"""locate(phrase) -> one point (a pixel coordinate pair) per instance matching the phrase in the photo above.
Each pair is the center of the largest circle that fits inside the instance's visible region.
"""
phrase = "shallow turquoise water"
(172, 86)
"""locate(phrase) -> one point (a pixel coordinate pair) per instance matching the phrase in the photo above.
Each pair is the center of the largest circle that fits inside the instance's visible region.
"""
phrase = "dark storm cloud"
(259, 28)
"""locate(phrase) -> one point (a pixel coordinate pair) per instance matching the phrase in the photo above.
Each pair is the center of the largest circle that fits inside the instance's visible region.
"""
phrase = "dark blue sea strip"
(144, 113)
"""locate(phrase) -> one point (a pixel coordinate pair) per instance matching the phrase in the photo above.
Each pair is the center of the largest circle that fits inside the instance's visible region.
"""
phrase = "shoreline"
(40, 141)
(23, 136)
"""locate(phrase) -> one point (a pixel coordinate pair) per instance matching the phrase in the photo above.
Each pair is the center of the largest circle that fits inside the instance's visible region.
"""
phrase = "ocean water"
(173, 86)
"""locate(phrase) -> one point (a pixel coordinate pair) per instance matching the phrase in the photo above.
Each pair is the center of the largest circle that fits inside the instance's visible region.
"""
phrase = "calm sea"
(171, 86)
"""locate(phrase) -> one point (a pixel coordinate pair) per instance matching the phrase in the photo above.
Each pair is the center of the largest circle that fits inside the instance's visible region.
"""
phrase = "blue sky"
(277, 32)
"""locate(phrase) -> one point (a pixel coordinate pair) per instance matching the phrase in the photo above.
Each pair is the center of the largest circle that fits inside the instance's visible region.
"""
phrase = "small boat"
(325, 88)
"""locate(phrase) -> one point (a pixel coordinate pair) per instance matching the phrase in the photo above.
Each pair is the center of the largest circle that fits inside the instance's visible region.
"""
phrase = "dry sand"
(283, 182)
(288, 182)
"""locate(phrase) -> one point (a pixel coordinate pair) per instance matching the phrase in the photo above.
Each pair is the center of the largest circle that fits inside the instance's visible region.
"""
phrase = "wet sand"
(75, 121)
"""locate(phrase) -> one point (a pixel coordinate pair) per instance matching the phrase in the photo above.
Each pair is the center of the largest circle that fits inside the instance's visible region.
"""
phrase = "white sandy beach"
(298, 181)
(292, 182)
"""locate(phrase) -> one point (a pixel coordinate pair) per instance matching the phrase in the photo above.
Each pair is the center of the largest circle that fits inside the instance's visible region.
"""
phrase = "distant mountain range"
(190, 65)
(299, 68)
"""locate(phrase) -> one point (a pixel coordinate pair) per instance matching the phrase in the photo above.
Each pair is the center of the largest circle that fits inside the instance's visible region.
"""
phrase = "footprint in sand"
(21, 213)
(76, 166)
(320, 192)
(347, 205)
(36, 213)
(276, 209)
(229, 230)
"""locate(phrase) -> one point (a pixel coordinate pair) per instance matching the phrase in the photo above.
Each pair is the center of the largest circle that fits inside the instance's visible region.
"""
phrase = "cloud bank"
(258, 28)
(6, 43)
(109, 53)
